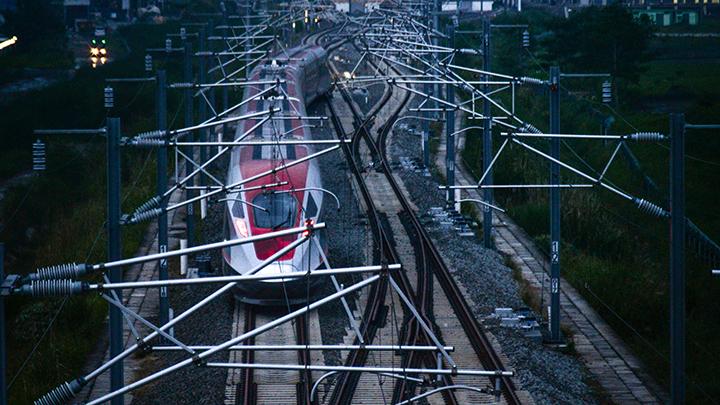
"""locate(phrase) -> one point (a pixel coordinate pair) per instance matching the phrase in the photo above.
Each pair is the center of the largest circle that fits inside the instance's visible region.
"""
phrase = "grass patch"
(614, 255)
(58, 216)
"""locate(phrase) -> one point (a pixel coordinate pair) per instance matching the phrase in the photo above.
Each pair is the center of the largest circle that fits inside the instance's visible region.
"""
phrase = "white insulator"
(147, 142)
(530, 128)
(62, 394)
(647, 136)
(145, 216)
(61, 271)
(52, 288)
(650, 208)
(151, 134)
(531, 80)
(147, 205)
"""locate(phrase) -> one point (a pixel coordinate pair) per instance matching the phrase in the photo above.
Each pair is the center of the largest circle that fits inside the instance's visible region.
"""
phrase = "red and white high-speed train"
(303, 77)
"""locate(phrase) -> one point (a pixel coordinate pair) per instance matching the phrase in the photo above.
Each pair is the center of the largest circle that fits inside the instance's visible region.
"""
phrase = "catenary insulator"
(168, 45)
(38, 152)
(61, 271)
(148, 63)
(531, 80)
(109, 97)
(63, 393)
(147, 205)
(530, 128)
(147, 142)
(650, 208)
(647, 136)
(145, 215)
(606, 92)
(150, 134)
(526, 39)
(52, 288)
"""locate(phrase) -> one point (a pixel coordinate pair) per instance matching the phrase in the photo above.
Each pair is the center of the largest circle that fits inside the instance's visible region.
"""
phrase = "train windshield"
(275, 210)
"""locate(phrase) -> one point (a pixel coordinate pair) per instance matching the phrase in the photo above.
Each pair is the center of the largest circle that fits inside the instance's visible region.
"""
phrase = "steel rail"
(477, 337)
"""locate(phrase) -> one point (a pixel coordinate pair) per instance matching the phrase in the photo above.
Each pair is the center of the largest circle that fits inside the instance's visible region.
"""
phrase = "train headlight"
(240, 227)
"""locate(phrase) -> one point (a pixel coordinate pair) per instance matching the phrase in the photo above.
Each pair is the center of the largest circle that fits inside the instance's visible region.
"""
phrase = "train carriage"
(304, 77)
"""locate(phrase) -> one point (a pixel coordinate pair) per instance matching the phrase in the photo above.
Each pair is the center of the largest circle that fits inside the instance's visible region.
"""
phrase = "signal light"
(94, 51)
(103, 51)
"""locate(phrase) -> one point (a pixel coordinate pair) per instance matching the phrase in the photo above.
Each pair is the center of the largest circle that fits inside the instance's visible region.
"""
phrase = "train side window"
(276, 210)
(311, 209)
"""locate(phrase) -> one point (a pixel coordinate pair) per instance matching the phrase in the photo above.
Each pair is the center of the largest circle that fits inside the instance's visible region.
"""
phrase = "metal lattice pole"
(487, 141)
(114, 250)
(189, 150)
(677, 258)
(450, 128)
(3, 352)
(555, 206)
(162, 156)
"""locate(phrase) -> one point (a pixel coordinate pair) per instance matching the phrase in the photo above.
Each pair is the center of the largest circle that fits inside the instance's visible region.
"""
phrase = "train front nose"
(279, 268)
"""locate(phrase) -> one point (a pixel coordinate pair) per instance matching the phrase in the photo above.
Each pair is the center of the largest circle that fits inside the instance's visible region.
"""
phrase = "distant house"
(76, 11)
(666, 15)
(670, 12)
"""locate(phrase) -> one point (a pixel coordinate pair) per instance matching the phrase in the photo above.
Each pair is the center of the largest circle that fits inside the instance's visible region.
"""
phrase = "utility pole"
(202, 78)
(3, 352)
(450, 128)
(555, 206)
(487, 139)
(161, 181)
(114, 251)
(437, 8)
(189, 150)
(225, 94)
(427, 87)
(677, 258)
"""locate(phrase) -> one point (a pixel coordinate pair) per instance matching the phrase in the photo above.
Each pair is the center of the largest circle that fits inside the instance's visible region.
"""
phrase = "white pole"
(203, 206)
(183, 258)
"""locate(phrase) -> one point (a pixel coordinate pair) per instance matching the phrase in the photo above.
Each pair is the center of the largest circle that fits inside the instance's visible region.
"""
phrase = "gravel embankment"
(210, 325)
(549, 375)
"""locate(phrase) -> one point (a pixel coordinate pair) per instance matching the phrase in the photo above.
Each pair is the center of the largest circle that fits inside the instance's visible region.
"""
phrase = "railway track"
(426, 282)
(247, 386)
(431, 272)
